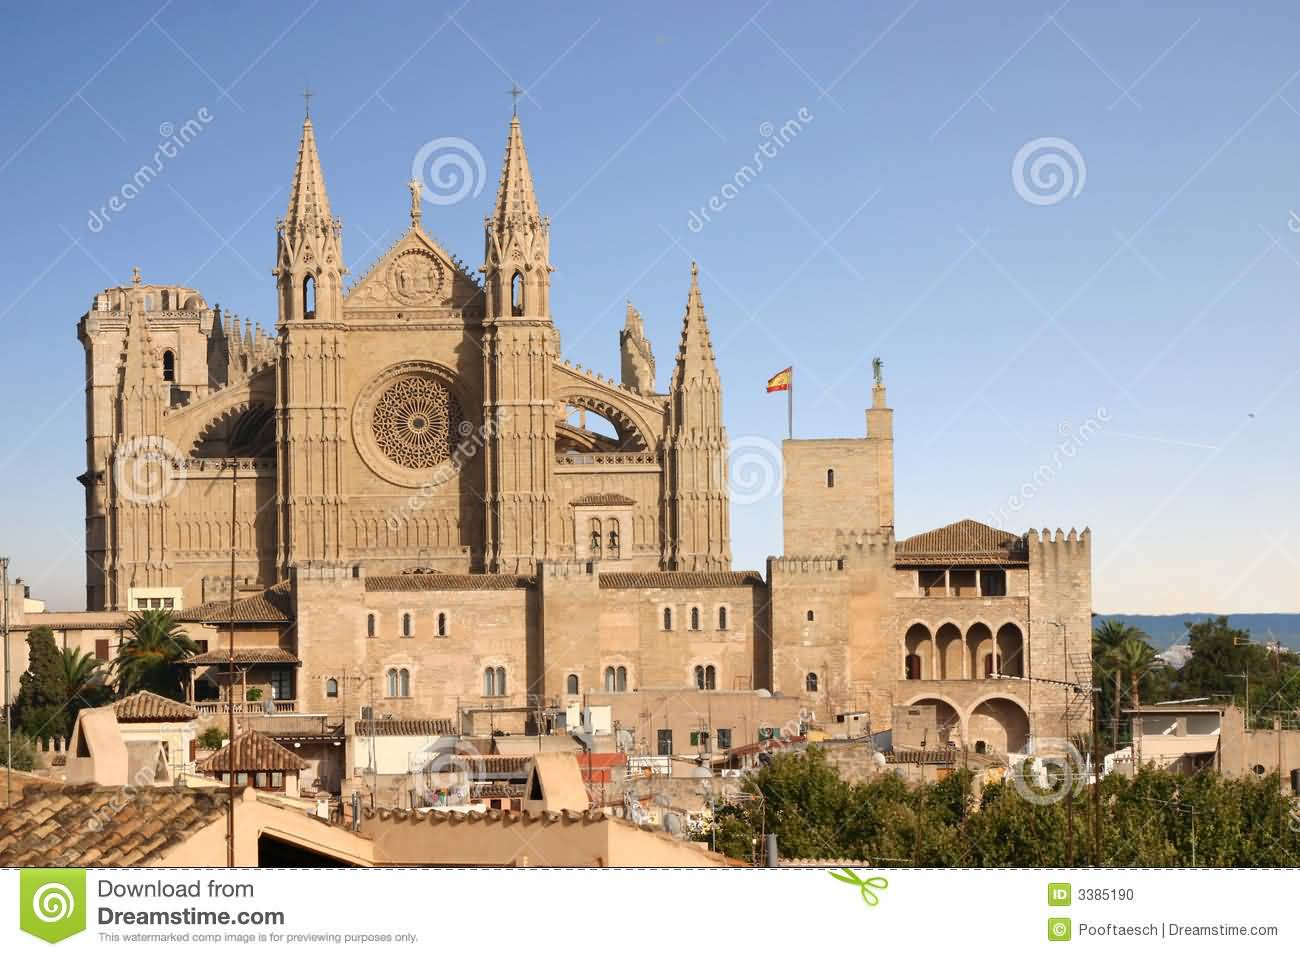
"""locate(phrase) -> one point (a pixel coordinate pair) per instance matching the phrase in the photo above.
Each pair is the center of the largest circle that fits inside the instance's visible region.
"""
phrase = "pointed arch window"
(442, 624)
(332, 688)
(571, 684)
(613, 538)
(620, 679)
(404, 683)
(722, 618)
(406, 624)
(309, 297)
(706, 677)
(810, 682)
(668, 619)
(494, 682)
(169, 366)
(830, 478)
(595, 537)
(391, 679)
(517, 294)
(609, 679)
(695, 619)
(370, 625)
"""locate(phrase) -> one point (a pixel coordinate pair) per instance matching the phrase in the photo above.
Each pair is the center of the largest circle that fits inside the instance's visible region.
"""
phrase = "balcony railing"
(279, 706)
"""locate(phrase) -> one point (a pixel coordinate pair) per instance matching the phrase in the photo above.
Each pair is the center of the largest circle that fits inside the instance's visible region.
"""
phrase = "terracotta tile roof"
(88, 826)
(448, 582)
(147, 706)
(968, 541)
(21, 780)
(919, 756)
(603, 498)
(70, 621)
(680, 579)
(252, 752)
(264, 655)
(272, 605)
(397, 727)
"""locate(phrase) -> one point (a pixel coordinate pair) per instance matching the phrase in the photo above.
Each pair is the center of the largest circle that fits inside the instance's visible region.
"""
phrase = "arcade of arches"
(946, 653)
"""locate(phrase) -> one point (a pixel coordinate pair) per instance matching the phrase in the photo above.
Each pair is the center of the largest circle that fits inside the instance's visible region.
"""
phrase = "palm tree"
(1106, 638)
(1135, 658)
(148, 659)
(84, 682)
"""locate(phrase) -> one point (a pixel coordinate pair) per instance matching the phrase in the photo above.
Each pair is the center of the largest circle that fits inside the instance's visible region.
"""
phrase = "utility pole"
(1096, 778)
(230, 672)
(9, 729)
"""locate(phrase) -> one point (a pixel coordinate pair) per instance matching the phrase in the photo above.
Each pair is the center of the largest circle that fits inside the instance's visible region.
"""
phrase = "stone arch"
(918, 652)
(633, 432)
(948, 654)
(979, 643)
(1010, 639)
(1001, 722)
(948, 717)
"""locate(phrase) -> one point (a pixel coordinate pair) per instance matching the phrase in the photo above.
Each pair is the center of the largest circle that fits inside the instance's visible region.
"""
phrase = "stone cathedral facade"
(423, 498)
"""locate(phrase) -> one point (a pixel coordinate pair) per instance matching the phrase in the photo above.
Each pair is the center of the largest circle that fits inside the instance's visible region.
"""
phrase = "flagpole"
(789, 404)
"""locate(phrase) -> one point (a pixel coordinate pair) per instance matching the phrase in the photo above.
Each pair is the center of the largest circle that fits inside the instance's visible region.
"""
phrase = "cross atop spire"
(307, 94)
(516, 93)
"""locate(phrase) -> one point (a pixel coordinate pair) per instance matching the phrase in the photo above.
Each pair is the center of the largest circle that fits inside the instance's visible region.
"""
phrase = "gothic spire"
(695, 352)
(515, 195)
(137, 351)
(309, 204)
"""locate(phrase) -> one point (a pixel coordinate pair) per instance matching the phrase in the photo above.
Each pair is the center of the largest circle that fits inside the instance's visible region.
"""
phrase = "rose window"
(415, 421)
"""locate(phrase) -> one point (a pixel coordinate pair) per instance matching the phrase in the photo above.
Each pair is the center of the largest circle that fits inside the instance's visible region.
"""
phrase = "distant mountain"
(1167, 630)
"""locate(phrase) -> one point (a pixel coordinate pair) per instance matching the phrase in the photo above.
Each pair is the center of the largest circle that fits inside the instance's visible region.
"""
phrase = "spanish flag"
(781, 381)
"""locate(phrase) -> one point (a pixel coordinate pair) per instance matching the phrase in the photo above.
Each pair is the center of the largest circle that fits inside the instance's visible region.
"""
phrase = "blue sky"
(1148, 299)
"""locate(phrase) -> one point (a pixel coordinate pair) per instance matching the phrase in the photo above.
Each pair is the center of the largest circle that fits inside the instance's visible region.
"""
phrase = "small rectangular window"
(277, 779)
(993, 582)
(260, 779)
(665, 742)
(724, 739)
(101, 649)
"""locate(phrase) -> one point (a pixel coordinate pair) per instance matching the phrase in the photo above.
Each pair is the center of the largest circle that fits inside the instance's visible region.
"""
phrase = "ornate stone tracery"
(414, 422)
(408, 422)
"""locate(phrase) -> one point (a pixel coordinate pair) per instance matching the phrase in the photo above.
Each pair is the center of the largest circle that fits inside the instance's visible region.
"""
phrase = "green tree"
(148, 659)
(1107, 636)
(1134, 658)
(39, 709)
(85, 683)
(23, 751)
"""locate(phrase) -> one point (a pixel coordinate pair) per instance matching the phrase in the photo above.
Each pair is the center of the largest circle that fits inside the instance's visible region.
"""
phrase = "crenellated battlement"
(1046, 545)
(567, 568)
(872, 543)
(805, 565)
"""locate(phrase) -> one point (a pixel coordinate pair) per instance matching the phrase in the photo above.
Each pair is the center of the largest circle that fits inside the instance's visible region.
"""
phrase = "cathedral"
(415, 506)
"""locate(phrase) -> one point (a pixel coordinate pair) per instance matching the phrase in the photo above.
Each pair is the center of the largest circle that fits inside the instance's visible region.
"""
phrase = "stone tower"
(698, 525)
(638, 357)
(140, 466)
(520, 349)
(311, 413)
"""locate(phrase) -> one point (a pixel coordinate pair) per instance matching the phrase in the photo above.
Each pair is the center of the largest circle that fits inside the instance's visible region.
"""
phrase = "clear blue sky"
(1160, 298)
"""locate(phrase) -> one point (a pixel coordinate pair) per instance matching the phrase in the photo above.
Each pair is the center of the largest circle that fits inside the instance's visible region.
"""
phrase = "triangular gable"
(414, 274)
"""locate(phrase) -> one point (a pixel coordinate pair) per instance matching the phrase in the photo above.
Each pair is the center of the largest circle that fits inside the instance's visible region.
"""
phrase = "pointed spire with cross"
(515, 92)
(307, 94)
